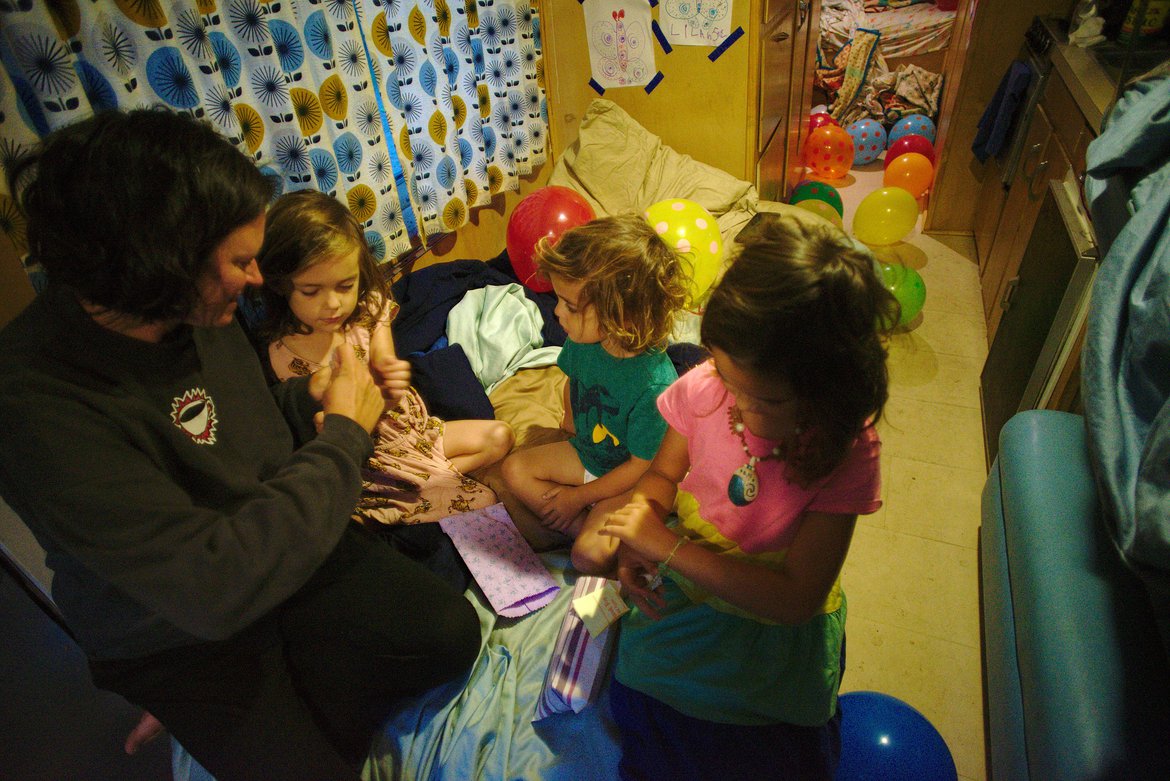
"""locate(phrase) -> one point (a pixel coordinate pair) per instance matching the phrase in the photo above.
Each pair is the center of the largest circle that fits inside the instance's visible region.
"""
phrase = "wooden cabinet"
(742, 112)
(1057, 138)
(1038, 272)
(788, 53)
(1042, 160)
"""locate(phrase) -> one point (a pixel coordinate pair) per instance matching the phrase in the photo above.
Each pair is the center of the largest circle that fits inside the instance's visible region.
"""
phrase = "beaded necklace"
(744, 485)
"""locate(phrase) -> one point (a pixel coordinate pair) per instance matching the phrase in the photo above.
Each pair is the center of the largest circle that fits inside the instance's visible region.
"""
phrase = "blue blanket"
(1126, 361)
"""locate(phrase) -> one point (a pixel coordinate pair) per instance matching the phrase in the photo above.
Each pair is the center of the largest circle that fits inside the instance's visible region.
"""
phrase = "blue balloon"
(884, 739)
(869, 139)
(912, 124)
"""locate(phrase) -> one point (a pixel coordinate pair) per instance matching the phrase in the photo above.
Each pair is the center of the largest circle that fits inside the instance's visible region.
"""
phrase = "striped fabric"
(579, 662)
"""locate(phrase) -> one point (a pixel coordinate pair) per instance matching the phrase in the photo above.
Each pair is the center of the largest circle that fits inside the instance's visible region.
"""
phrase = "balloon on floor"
(820, 119)
(918, 124)
(821, 209)
(828, 151)
(811, 189)
(911, 171)
(885, 739)
(885, 216)
(907, 287)
(691, 230)
(869, 139)
(910, 143)
(546, 213)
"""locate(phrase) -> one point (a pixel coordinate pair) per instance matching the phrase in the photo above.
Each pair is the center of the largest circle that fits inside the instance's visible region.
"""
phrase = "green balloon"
(812, 190)
(908, 288)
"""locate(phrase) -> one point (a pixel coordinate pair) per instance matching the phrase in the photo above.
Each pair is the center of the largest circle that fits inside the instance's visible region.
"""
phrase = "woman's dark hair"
(127, 208)
(803, 305)
(305, 228)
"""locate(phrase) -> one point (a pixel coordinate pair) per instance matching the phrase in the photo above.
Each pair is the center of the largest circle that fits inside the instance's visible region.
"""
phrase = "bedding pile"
(857, 43)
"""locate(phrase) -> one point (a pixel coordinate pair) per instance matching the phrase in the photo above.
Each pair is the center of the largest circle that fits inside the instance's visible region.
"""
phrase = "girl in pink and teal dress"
(729, 664)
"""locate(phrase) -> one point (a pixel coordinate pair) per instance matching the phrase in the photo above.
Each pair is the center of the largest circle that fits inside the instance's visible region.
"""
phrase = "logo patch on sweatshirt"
(194, 413)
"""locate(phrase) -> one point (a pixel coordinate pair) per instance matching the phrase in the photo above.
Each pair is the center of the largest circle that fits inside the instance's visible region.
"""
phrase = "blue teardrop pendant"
(743, 486)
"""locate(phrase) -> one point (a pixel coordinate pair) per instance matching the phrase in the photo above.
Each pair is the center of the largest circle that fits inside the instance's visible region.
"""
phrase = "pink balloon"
(820, 119)
(911, 143)
(548, 212)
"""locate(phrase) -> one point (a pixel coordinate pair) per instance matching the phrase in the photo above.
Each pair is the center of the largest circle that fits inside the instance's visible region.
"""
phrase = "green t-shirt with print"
(614, 402)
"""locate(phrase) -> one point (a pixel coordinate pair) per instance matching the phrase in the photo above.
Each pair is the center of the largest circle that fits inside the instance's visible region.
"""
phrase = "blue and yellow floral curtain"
(465, 83)
(288, 81)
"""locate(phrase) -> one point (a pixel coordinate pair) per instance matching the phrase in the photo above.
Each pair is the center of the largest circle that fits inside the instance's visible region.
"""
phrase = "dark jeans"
(299, 694)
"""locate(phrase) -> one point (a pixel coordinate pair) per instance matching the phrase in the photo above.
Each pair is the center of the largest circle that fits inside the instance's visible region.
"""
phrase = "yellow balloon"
(885, 216)
(694, 234)
(823, 209)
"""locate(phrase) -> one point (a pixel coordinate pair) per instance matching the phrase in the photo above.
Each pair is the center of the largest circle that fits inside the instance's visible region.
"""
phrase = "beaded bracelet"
(666, 562)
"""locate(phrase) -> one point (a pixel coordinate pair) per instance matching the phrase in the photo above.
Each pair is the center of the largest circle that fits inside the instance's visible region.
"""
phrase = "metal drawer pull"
(1005, 302)
(1035, 150)
(1032, 194)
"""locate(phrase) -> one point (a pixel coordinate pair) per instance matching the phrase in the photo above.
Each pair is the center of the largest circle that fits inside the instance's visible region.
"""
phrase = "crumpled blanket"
(891, 95)
(499, 329)
(1126, 359)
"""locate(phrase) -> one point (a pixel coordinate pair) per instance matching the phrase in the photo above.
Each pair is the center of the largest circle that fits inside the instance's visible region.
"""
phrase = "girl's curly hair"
(631, 276)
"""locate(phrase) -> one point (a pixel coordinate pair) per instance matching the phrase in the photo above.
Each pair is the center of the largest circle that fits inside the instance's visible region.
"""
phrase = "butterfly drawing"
(621, 48)
(706, 18)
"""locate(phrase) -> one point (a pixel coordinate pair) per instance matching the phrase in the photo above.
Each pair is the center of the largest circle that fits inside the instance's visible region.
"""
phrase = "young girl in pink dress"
(323, 291)
(729, 665)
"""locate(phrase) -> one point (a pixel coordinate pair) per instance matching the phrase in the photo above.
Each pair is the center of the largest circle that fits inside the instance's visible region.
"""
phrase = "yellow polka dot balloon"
(694, 234)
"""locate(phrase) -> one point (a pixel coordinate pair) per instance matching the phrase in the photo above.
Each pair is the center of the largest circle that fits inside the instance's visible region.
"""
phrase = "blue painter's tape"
(717, 52)
(661, 36)
(653, 82)
(600, 90)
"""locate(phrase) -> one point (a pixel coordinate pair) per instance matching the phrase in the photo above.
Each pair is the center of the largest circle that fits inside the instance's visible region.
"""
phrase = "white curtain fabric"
(465, 84)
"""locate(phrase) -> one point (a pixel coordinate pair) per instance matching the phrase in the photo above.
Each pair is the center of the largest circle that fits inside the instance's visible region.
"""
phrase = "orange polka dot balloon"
(829, 152)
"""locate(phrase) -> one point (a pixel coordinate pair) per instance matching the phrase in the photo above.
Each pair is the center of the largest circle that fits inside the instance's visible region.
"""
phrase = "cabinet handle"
(803, 16)
(1032, 194)
(780, 37)
(1034, 151)
(1005, 301)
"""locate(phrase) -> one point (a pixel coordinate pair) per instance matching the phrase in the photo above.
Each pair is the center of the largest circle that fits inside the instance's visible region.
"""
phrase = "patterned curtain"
(287, 81)
(465, 85)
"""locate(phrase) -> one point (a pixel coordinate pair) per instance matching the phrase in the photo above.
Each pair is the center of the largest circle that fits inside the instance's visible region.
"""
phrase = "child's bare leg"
(533, 473)
(475, 444)
(593, 553)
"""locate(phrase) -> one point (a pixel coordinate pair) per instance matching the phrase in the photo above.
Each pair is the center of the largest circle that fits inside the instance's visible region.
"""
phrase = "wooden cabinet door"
(1021, 208)
(776, 87)
(992, 193)
(804, 48)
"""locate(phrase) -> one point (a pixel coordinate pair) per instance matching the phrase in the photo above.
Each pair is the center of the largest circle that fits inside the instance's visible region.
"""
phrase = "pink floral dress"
(408, 480)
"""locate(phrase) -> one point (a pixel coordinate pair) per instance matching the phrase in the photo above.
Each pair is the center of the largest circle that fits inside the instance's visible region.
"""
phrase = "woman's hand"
(561, 507)
(349, 390)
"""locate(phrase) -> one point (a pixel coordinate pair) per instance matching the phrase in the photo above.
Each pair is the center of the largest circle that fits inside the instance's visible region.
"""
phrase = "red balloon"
(820, 119)
(548, 212)
(910, 143)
